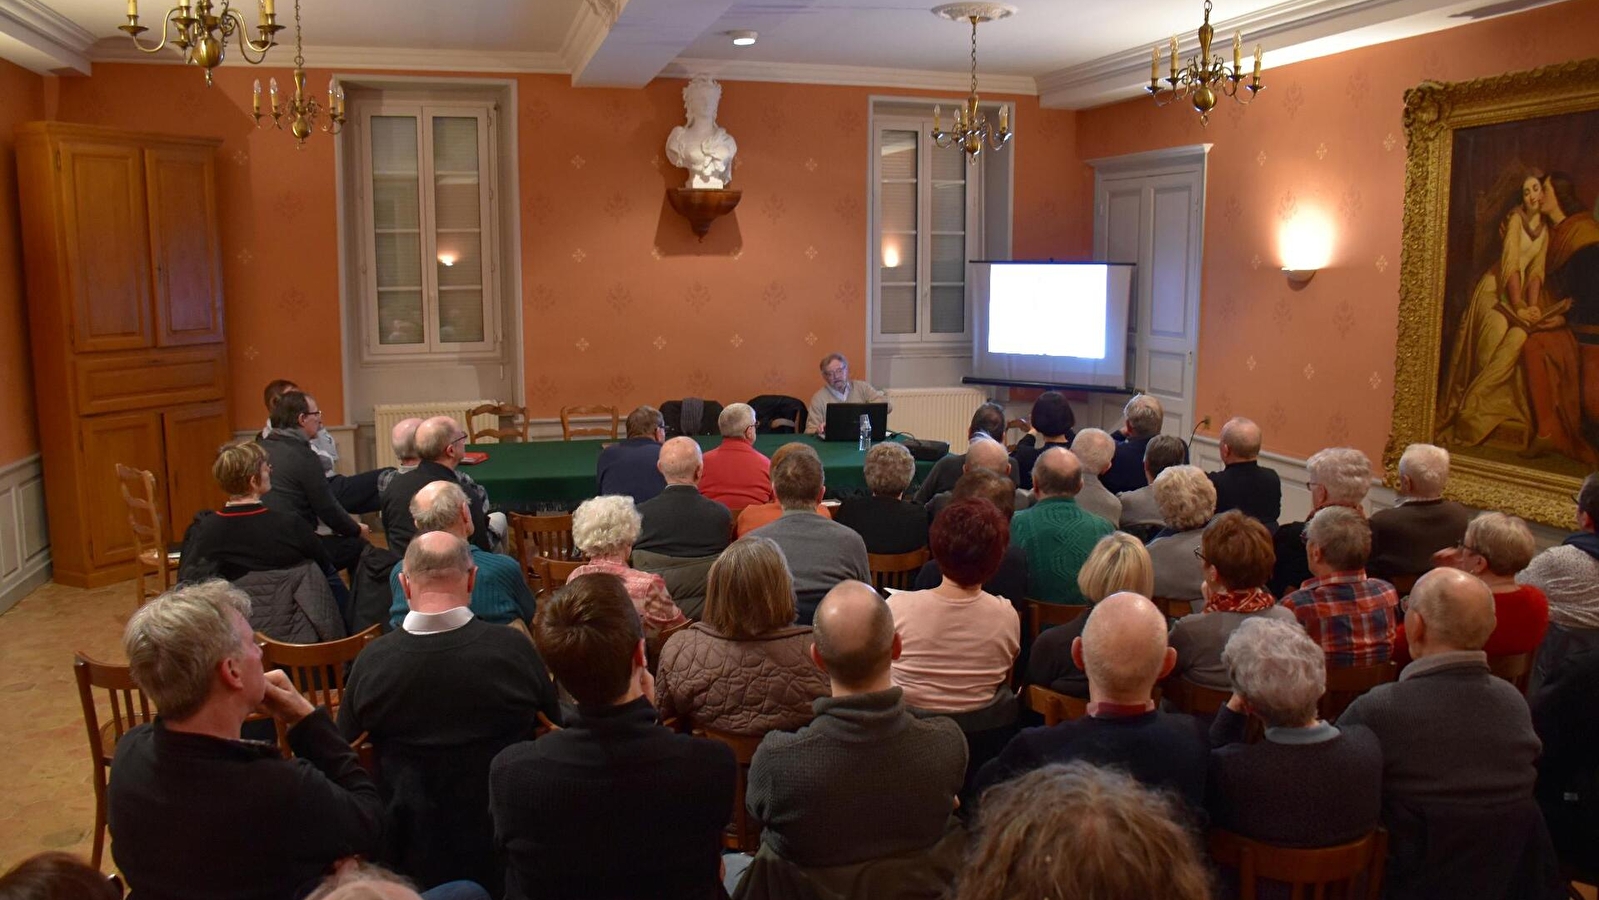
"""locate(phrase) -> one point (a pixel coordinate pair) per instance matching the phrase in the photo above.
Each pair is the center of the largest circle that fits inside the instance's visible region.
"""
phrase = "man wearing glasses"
(838, 388)
(299, 485)
(440, 442)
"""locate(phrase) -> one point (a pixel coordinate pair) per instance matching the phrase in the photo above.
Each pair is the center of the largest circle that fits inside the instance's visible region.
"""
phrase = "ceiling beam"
(40, 39)
(627, 43)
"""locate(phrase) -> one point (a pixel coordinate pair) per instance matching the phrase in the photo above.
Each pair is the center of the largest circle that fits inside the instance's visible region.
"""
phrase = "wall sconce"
(447, 260)
(1305, 246)
(890, 256)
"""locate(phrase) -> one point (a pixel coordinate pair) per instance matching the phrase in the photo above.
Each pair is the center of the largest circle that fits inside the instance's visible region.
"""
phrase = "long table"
(542, 473)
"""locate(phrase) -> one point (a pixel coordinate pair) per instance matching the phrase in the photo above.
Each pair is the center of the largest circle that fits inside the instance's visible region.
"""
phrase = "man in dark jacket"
(1143, 417)
(1244, 484)
(440, 441)
(628, 467)
(1404, 538)
(681, 522)
(195, 811)
(298, 483)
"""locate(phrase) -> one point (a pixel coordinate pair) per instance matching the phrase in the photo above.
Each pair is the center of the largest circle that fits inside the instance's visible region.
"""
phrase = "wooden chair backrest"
(1020, 428)
(1193, 698)
(744, 834)
(554, 572)
(1040, 614)
(129, 707)
(1515, 668)
(1173, 608)
(569, 431)
(512, 423)
(318, 670)
(1345, 683)
(1054, 706)
(546, 536)
(1316, 868)
(144, 518)
(896, 570)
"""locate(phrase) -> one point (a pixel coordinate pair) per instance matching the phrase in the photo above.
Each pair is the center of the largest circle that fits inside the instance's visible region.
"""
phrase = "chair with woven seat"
(317, 670)
(1345, 683)
(144, 517)
(896, 570)
(1054, 706)
(743, 834)
(129, 707)
(1040, 613)
(569, 431)
(1515, 668)
(511, 427)
(1315, 869)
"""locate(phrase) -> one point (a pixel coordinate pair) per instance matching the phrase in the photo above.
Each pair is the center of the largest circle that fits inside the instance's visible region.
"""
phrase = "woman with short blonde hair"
(245, 535)
(1119, 562)
(1187, 500)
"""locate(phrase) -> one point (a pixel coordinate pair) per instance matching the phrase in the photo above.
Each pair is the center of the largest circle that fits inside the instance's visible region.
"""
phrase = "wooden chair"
(896, 570)
(535, 536)
(1515, 668)
(144, 517)
(1193, 698)
(1345, 683)
(1172, 608)
(316, 670)
(1040, 614)
(129, 707)
(1404, 584)
(655, 642)
(512, 426)
(1316, 869)
(1054, 706)
(568, 413)
(554, 572)
(744, 833)
(1020, 427)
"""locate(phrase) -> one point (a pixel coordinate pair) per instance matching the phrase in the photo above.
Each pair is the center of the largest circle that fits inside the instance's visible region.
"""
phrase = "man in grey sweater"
(1458, 751)
(866, 779)
(820, 552)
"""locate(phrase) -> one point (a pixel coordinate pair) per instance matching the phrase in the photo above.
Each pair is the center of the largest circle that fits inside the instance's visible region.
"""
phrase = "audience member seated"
(1404, 538)
(367, 881)
(1142, 418)
(838, 388)
(1243, 483)
(439, 443)
(1119, 563)
(1049, 425)
(1567, 721)
(983, 454)
(245, 535)
(438, 698)
(1187, 501)
(989, 421)
(1309, 783)
(402, 440)
(1010, 581)
(1338, 476)
(1123, 650)
(1353, 617)
(1495, 548)
(1140, 512)
(887, 522)
(355, 493)
(745, 667)
(629, 466)
(759, 516)
(865, 779)
(1235, 556)
(613, 777)
(1056, 533)
(683, 530)
(959, 641)
(604, 530)
(1095, 449)
(197, 812)
(820, 552)
(500, 594)
(736, 474)
(298, 485)
(1568, 575)
(53, 875)
(1458, 751)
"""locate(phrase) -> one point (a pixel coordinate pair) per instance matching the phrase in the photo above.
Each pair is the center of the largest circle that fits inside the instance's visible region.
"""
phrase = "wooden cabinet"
(124, 276)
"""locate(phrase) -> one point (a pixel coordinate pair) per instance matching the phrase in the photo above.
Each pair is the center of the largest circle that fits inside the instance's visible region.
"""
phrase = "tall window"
(429, 260)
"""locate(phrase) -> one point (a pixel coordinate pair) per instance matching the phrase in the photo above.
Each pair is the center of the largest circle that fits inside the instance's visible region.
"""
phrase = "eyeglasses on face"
(1200, 555)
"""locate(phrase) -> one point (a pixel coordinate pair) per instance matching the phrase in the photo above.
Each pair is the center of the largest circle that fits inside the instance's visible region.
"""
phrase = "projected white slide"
(1047, 311)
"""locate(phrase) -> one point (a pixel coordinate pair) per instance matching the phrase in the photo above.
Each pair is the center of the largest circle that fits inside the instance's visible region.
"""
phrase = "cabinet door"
(107, 244)
(184, 246)
(132, 439)
(193, 435)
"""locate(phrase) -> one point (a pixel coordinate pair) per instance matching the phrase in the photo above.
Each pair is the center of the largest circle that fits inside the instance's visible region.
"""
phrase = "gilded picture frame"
(1430, 379)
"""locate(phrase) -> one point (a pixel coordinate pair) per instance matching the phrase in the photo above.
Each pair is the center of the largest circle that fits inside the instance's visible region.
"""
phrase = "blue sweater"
(499, 595)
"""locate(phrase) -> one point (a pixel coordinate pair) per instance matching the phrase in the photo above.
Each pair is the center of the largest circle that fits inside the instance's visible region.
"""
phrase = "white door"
(1149, 209)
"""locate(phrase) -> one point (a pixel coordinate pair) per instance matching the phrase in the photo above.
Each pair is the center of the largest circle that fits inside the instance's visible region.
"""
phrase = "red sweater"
(1522, 615)
(737, 475)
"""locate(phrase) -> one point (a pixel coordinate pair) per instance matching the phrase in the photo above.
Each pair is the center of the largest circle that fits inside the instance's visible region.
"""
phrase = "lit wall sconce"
(446, 260)
(1305, 246)
(890, 256)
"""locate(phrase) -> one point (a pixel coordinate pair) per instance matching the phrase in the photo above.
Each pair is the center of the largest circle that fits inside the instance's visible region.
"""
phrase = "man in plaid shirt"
(1350, 615)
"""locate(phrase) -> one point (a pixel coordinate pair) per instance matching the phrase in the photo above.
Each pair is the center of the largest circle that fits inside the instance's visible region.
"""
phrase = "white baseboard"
(24, 531)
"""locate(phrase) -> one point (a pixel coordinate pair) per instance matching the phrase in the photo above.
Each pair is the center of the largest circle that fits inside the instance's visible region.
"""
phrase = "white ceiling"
(1074, 53)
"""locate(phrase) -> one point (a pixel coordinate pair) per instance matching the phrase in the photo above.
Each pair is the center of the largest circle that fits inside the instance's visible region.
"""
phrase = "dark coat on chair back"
(295, 606)
(397, 522)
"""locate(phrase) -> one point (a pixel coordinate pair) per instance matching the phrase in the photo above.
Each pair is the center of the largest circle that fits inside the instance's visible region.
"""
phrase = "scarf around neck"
(1253, 600)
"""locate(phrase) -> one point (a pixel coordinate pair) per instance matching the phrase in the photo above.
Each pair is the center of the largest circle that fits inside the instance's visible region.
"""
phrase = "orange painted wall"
(21, 100)
(1316, 367)
(621, 303)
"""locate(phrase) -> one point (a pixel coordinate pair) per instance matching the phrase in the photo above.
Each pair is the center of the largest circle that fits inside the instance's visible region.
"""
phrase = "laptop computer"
(844, 421)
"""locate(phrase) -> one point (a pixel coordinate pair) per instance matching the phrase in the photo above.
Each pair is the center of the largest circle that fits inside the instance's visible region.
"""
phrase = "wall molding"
(114, 50)
(42, 40)
(857, 76)
(24, 534)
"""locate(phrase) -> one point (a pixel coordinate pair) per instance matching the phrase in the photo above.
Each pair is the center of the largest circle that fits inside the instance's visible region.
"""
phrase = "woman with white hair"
(1337, 476)
(1309, 783)
(604, 530)
(1495, 549)
(1187, 500)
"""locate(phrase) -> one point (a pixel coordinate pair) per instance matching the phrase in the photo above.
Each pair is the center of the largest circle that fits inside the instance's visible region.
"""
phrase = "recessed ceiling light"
(742, 38)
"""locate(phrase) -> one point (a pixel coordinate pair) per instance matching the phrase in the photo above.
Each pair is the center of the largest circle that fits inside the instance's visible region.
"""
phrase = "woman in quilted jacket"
(745, 668)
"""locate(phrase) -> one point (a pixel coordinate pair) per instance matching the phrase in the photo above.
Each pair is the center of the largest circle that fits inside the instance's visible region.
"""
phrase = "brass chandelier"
(972, 130)
(1206, 78)
(301, 111)
(201, 29)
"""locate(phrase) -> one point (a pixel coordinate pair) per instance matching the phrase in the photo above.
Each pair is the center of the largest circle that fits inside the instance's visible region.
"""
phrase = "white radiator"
(940, 414)
(387, 415)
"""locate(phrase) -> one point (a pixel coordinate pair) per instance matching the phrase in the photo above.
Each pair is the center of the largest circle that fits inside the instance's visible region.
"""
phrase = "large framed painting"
(1498, 355)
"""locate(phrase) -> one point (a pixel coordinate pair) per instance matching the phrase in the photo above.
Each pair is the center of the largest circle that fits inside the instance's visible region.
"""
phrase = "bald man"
(866, 779)
(1244, 484)
(1124, 651)
(1094, 448)
(988, 455)
(1458, 751)
(500, 594)
(440, 442)
(684, 531)
(1056, 533)
(402, 440)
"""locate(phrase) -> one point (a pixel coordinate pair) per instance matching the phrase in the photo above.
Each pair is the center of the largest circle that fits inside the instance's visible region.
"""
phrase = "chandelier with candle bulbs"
(201, 29)
(301, 111)
(972, 130)
(1205, 79)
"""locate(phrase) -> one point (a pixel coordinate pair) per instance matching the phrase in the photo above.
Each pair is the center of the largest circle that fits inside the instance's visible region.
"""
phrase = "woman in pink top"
(604, 530)
(959, 641)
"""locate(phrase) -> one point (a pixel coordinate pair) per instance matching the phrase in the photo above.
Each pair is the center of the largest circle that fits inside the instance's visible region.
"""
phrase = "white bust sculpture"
(699, 145)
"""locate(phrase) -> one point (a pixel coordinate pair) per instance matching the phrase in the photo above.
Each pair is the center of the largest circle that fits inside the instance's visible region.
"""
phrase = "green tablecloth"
(521, 476)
